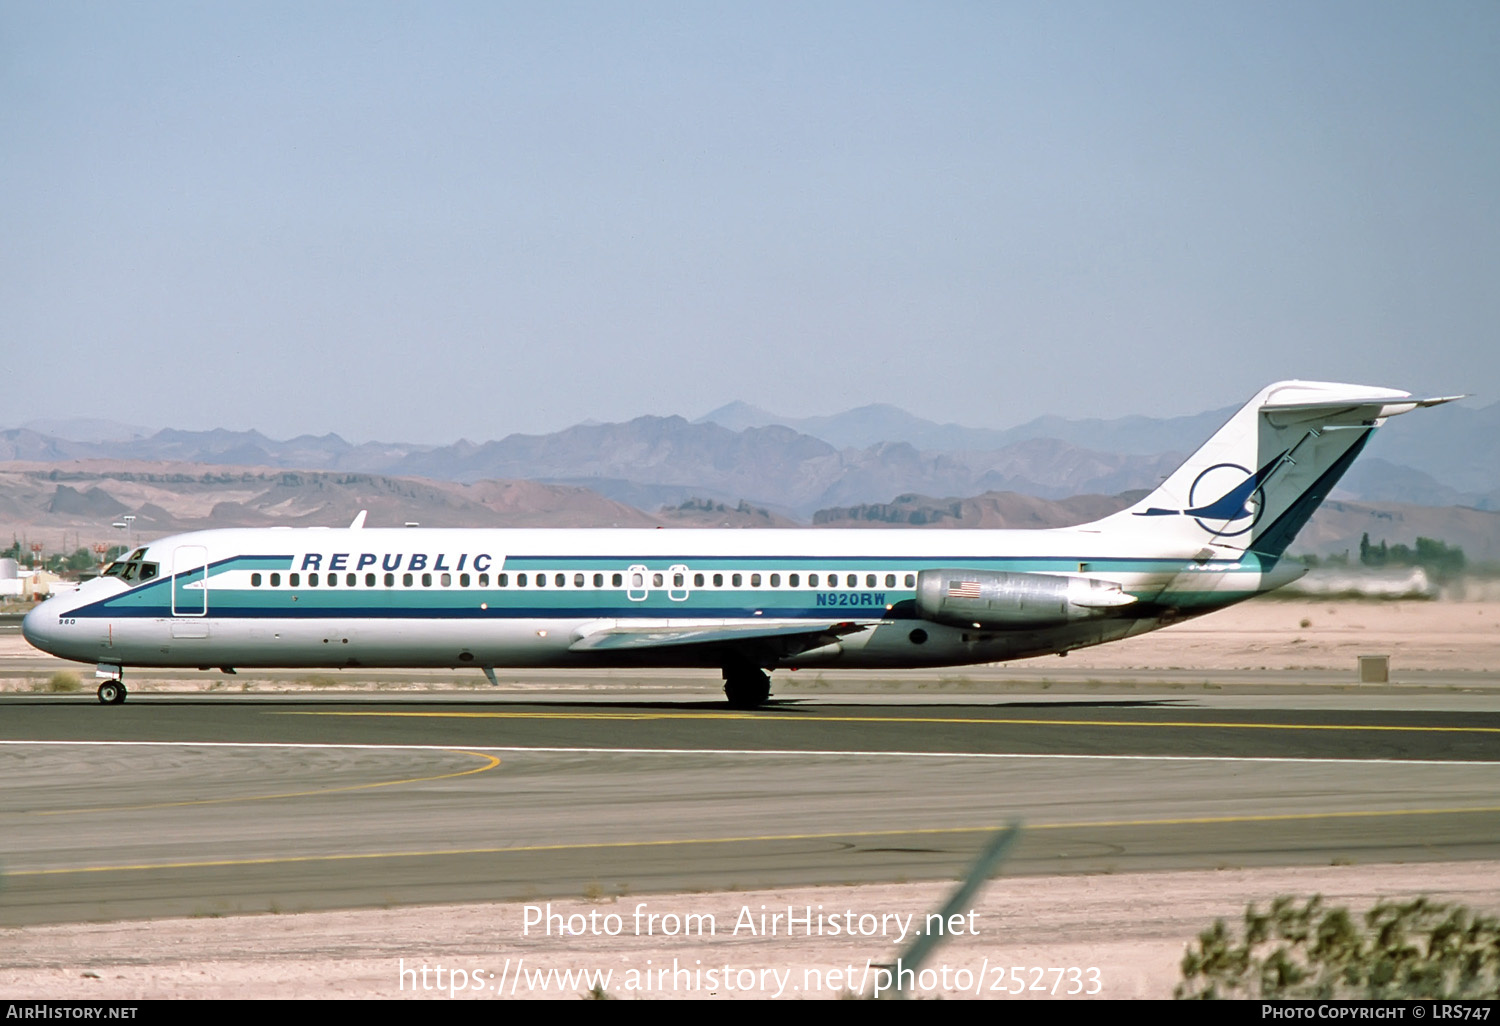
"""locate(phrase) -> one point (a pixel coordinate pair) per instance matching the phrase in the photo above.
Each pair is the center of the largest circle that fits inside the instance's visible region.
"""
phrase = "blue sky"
(422, 222)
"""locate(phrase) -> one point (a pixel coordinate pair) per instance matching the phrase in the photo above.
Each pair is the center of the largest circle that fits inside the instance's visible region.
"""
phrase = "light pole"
(123, 524)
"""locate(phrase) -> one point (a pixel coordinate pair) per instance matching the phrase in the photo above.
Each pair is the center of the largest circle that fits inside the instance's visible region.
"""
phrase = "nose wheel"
(112, 692)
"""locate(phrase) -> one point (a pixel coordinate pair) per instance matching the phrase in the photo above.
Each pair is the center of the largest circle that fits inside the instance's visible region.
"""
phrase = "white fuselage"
(285, 597)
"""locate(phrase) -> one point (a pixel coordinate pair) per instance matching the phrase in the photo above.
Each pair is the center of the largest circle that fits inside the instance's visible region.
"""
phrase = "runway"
(215, 805)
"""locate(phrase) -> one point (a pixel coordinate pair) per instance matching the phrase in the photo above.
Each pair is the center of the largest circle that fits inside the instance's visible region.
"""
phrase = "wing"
(791, 636)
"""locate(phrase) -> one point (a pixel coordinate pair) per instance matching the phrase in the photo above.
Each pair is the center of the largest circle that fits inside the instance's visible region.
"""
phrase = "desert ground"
(1305, 634)
(1125, 935)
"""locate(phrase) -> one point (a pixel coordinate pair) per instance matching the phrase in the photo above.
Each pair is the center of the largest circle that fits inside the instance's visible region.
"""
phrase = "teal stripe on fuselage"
(153, 599)
(852, 564)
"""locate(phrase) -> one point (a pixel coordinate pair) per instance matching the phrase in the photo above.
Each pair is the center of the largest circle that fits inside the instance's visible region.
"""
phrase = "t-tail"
(1257, 481)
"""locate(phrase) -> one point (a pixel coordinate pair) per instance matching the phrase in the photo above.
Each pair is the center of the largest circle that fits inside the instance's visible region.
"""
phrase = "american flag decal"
(963, 589)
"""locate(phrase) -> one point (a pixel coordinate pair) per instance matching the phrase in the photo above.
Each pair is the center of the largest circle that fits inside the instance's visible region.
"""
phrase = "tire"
(747, 690)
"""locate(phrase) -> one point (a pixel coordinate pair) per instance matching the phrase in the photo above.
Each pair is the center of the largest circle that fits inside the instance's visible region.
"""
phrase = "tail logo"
(1239, 503)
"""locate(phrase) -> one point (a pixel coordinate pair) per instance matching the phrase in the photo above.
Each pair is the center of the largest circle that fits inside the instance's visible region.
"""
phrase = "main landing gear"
(746, 687)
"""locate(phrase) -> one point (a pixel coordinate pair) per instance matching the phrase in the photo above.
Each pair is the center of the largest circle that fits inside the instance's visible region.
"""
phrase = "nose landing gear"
(112, 691)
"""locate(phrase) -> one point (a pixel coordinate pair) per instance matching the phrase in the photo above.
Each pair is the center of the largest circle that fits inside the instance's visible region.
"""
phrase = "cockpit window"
(132, 570)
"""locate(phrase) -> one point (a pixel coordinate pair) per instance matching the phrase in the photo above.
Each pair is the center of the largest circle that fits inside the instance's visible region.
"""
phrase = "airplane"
(744, 602)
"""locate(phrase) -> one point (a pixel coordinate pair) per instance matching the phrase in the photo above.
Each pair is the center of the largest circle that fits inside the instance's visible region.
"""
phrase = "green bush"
(1404, 950)
(63, 681)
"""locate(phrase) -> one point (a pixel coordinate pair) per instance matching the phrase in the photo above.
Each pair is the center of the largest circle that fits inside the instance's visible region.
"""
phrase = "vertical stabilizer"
(1255, 483)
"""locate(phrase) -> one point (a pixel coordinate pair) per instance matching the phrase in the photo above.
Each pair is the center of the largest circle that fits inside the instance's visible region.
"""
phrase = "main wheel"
(112, 692)
(747, 689)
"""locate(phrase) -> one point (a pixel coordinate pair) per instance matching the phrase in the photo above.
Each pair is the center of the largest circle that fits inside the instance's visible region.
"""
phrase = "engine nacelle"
(997, 600)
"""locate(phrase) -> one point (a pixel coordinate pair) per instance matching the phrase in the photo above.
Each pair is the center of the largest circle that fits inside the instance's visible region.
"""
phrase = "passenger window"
(333, 580)
(578, 580)
(502, 581)
(520, 580)
(484, 580)
(869, 580)
(255, 580)
(718, 580)
(447, 580)
(351, 579)
(775, 580)
(791, 580)
(637, 581)
(295, 580)
(406, 580)
(677, 580)
(755, 580)
(561, 580)
(312, 580)
(911, 580)
(369, 580)
(812, 580)
(541, 580)
(853, 580)
(890, 580)
(697, 580)
(618, 580)
(463, 580)
(275, 580)
(598, 580)
(656, 580)
(426, 580)
(735, 580)
(390, 580)
(833, 580)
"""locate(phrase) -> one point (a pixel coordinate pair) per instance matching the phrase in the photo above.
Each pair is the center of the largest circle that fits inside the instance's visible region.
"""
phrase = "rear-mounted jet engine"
(1013, 601)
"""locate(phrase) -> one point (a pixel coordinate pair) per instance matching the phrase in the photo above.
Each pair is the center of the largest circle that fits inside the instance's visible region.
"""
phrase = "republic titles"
(392, 562)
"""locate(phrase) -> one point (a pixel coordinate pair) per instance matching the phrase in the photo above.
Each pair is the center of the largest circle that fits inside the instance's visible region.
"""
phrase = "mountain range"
(795, 467)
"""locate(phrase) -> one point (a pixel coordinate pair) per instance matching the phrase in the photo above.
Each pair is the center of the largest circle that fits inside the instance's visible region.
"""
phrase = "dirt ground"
(1120, 936)
(1304, 634)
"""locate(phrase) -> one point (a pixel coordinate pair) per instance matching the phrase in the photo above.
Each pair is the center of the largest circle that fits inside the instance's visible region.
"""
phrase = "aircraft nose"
(39, 627)
(32, 629)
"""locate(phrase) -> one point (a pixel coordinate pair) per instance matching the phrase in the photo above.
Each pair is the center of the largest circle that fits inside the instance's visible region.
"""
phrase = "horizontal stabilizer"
(1348, 409)
(1391, 406)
